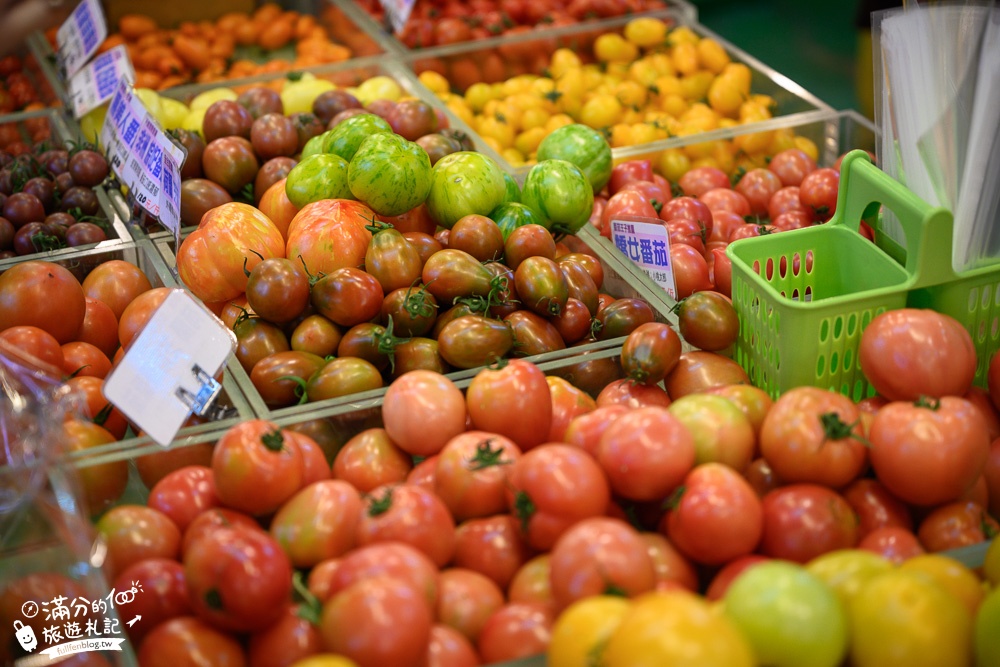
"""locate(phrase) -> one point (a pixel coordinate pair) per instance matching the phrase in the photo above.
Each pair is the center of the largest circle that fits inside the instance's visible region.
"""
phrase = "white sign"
(168, 371)
(96, 83)
(79, 37)
(398, 12)
(647, 244)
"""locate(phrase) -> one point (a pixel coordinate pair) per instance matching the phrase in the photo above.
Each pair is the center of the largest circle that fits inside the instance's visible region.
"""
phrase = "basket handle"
(928, 229)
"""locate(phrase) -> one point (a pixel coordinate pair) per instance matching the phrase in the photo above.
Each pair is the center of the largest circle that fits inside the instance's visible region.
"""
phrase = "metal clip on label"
(202, 403)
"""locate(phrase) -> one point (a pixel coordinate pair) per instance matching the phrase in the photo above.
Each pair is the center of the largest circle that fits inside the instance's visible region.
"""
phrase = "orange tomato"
(275, 35)
(134, 26)
(193, 51)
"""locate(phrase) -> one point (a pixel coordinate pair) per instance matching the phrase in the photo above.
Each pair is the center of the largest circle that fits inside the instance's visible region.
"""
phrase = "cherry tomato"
(492, 546)
(184, 494)
(471, 473)
(186, 639)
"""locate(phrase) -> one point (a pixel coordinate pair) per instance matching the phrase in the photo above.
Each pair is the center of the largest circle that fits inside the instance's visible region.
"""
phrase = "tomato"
(929, 453)
(699, 180)
(449, 648)
(512, 400)
(164, 593)
(568, 402)
(471, 341)
(189, 640)
(758, 186)
(36, 343)
(410, 514)
(893, 543)
(561, 193)
(410, 399)
(909, 352)
(583, 629)
(622, 316)
(370, 459)
(347, 136)
(802, 521)
(466, 599)
(650, 352)
(688, 208)
(449, 274)
(348, 296)
(390, 174)
(318, 177)
(341, 377)
(132, 533)
(99, 327)
(307, 541)
(116, 283)
(471, 471)
(623, 205)
(477, 235)
(256, 469)
(272, 376)
(955, 525)
(754, 402)
(572, 325)
(464, 183)
(716, 518)
(492, 546)
(257, 340)
(791, 166)
(725, 199)
(788, 615)
(534, 334)
(380, 620)
(238, 579)
(528, 240)
(582, 146)
(184, 494)
(516, 630)
(286, 642)
(230, 161)
(329, 234)
(393, 559)
(654, 193)
(699, 370)
(899, 615)
(951, 575)
(876, 507)
(198, 197)
(690, 268)
(629, 171)
(674, 628)
(645, 453)
(818, 192)
(102, 483)
(43, 295)
(721, 432)
(708, 321)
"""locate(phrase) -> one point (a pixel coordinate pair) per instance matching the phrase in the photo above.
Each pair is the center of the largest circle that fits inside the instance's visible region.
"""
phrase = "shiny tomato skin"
(189, 640)
(285, 642)
(646, 453)
(238, 580)
(632, 394)
(318, 523)
(466, 599)
(894, 543)
(449, 648)
(516, 630)
(348, 296)
(184, 494)
(392, 559)
(256, 470)
(876, 507)
(492, 546)
(45, 295)
(955, 525)
(698, 370)
(370, 459)
(410, 514)
(802, 521)
(216, 517)
(329, 234)
(622, 316)
(411, 399)
(512, 400)
(471, 473)
(536, 334)
(568, 402)
(650, 352)
(164, 594)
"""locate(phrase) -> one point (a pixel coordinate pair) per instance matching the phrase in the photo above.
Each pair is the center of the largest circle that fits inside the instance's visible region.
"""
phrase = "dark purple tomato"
(44, 189)
(84, 233)
(22, 208)
(344, 115)
(79, 197)
(226, 118)
(383, 108)
(461, 137)
(198, 196)
(63, 182)
(88, 168)
(332, 102)
(274, 135)
(307, 126)
(412, 119)
(270, 173)
(230, 162)
(7, 254)
(6, 181)
(59, 224)
(438, 145)
(6, 234)
(35, 237)
(195, 146)
(55, 161)
(260, 101)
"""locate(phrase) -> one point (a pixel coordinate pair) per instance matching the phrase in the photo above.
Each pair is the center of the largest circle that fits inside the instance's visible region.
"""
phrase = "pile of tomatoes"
(18, 91)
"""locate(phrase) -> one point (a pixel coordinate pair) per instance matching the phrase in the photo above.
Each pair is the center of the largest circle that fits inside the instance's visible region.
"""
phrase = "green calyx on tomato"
(377, 506)
(274, 440)
(389, 174)
(524, 509)
(310, 608)
(674, 499)
(213, 599)
(487, 457)
(835, 428)
(417, 304)
(387, 343)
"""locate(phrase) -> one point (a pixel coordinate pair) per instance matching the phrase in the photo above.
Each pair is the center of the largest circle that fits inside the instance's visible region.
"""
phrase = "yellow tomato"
(668, 85)
(378, 88)
(661, 64)
(210, 97)
(630, 115)
(92, 122)
(563, 60)
(194, 119)
(741, 75)
(673, 163)
(951, 576)
(847, 570)
(676, 628)
(646, 31)
(643, 133)
(725, 96)
(683, 35)
(695, 86)
(987, 629)
(632, 94)
(807, 146)
(477, 95)
(685, 57)
(675, 105)
(459, 107)
(532, 118)
(900, 618)
(620, 135)
(643, 73)
(496, 127)
(151, 99)
(601, 111)
(325, 660)
(782, 140)
(543, 86)
(435, 82)
(613, 48)
(711, 55)
(557, 121)
(527, 142)
(174, 112)
(582, 630)
(511, 113)
(513, 157)
(298, 96)
(991, 563)
(521, 83)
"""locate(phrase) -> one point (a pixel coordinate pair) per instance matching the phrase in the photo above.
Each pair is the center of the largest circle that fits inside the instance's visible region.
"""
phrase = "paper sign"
(398, 12)
(80, 35)
(96, 83)
(167, 373)
(647, 244)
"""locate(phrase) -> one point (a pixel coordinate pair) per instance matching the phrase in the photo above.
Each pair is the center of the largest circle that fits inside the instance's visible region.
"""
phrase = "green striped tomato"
(583, 146)
(559, 191)
(463, 183)
(390, 174)
(511, 215)
(345, 139)
(319, 176)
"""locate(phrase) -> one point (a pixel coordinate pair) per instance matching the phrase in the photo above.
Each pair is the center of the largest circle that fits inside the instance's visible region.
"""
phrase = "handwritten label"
(647, 244)
(96, 83)
(168, 370)
(397, 12)
(80, 35)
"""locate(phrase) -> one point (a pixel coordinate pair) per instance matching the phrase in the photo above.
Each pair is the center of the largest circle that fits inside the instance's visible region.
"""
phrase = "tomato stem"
(928, 402)
(417, 304)
(487, 457)
(834, 428)
(674, 499)
(381, 505)
(524, 508)
(300, 389)
(101, 417)
(213, 599)
(989, 532)
(311, 608)
(615, 590)
(386, 344)
(313, 277)
(274, 440)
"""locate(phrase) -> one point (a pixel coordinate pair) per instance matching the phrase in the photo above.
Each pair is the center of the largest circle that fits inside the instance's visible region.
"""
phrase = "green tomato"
(511, 215)
(583, 146)
(513, 189)
(346, 137)
(314, 146)
(320, 176)
(390, 174)
(559, 191)
(847, 570)
(790, 617)
(464, 183)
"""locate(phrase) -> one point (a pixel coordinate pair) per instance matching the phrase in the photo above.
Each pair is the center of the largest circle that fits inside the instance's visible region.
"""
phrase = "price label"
(168, 372)
(172, 157)
(647, 244)
(80, 35)
(397, 12)
(96, 83)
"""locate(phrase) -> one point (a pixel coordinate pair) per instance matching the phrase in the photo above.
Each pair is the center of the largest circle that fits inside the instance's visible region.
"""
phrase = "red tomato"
(512, 400)
(646, 453)
(690, 209)
(929, 453)
(37, 343)
(137, 314)
(993, 379)
(409, 514)
(749, 230)
(532, 583)
(688, 232)
(956, 525)
(699, 370)
(370, 459)
(256, 468)
(690, 270)
(315, 467)
(391, 559)
(552, 487)
(471, 473)
(45, 295)
(164, 594)
(184, 494)
(516, 630)
(449, 648)
(671, 567)
(216, 517)
(814, 435)
(791, 166)
(466, 599)
(758, 186)
(238, 580)
(893, 543)
(411, 399)
(632, 394)
(909, 352)
(786, 200)
(492, 546)
(598, 556)
(876, 507)
(628, 171)
(802, 521)
(133, 533)
(718, 516)
(724, 223)
(818, 192)
(326, 224)
(980, 398)
(626, 204)
(187, 640)
(378, 621)
(568, 403)
(725, 199)
(318, 523)
(100, 327)
(285, 642)
(698, 180)
(653, 193)
(423, 473)
(723, 578)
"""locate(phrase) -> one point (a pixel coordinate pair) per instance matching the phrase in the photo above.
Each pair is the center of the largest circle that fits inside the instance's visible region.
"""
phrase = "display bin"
(618, 282)
(497, 59)
(50, 124)
(360, 13)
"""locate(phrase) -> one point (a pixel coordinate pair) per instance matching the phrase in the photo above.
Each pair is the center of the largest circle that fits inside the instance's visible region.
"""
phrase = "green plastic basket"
(804, 298)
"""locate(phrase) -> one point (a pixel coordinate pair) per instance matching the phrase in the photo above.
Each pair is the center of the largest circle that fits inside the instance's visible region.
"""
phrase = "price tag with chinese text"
(647, 244)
